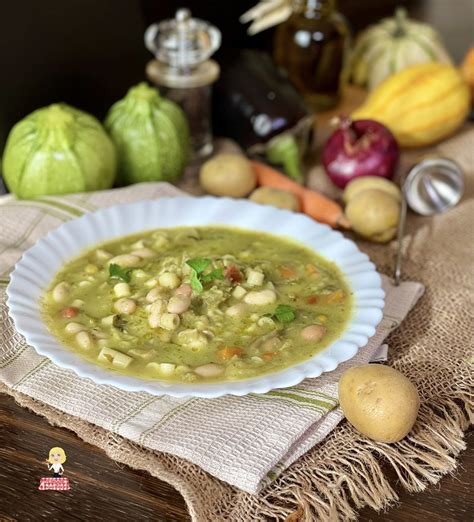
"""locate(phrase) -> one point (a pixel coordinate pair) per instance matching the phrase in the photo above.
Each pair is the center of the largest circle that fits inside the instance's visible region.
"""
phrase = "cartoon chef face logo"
(57, 456)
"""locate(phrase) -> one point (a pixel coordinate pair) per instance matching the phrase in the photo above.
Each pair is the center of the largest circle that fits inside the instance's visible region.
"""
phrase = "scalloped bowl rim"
(38, 265)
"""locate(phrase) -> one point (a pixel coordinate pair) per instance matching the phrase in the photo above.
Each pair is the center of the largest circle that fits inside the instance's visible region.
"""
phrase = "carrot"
(334, 297)
(313, 203)
(323, 209)
(228, 352)
(268, 356)
(287, 272)
(69, 312)
(311, 269)
(269, 177)
(312, 299)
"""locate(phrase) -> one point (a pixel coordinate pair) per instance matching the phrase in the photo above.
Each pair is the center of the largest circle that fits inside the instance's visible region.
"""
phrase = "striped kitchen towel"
(245, 441)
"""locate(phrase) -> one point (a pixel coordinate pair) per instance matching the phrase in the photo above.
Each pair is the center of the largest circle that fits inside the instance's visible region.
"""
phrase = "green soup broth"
(204, 304)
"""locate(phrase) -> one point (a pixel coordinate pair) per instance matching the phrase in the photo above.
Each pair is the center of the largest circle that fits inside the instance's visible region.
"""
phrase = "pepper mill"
(183, 71)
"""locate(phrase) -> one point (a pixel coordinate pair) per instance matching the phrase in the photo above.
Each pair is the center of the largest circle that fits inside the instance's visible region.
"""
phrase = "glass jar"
(312, 46)
(183, 71)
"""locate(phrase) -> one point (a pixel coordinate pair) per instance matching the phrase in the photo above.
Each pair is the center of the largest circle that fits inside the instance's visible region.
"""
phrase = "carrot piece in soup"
(228, 352)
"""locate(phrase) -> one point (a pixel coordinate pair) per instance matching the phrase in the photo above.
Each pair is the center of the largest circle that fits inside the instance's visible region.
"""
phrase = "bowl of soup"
(195, 296)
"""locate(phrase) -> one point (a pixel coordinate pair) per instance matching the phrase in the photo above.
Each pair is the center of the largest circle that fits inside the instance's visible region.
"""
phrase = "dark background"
(88, 52)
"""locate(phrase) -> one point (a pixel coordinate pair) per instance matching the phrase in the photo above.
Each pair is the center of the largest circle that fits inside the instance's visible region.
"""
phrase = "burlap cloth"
(433, 347)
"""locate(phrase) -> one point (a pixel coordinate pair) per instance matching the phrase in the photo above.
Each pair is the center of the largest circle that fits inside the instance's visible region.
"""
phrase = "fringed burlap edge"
(332, 482)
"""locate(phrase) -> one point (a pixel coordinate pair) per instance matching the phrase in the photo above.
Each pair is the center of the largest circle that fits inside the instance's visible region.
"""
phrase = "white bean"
(153, 295)
(169, 280)
(167, 368)
(184, 289)
(91, 269)
(125, 260)
(84, 340)
(182, 368)
(122, 289)
(74, 328)
(169, 321)
(61, 292)
(314, 332)
(125, 306)
(179, 304)
(102, 255)
(237, 310)
(150, 283)
(264, 297)
(209, 370)
(138, 244)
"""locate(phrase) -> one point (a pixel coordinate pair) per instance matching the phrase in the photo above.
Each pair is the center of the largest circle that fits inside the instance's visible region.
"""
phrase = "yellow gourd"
(421, 104)
(467, 71)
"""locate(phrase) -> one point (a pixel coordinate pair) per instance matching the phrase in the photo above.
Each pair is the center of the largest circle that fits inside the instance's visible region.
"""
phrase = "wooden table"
(103, 490)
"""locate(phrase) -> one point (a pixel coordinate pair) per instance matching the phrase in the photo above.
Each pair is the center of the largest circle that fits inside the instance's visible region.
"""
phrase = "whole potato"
(275, 198)
(374, 214)
(228, 175)
(379, 401)
(358, 185)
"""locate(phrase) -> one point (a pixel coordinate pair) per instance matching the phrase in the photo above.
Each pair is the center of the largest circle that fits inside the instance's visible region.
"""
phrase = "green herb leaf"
(284, 314)
(215, 274)
(118, 272)
(196, 285)
(199, 264)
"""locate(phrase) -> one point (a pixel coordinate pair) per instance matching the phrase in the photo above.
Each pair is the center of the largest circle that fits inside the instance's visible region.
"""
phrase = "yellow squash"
(467, 71)
(421, 104)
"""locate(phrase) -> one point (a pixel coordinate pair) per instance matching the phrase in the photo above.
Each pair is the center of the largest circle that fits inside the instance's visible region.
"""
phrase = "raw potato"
(358, 185)
(275, 198)
(374, 214)
(379, 401)
(228, 175)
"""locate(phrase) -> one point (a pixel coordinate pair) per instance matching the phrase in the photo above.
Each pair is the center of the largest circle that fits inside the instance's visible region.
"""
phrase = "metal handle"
(400, 233)
(150, 37)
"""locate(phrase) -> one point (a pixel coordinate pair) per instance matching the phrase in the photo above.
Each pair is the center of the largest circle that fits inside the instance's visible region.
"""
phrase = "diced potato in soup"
(185, 305)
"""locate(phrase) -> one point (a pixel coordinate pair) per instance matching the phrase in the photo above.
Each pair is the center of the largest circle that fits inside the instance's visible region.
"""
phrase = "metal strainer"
(432, 186)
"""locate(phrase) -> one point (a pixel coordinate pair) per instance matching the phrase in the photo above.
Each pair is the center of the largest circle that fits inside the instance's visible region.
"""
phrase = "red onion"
(359, 148)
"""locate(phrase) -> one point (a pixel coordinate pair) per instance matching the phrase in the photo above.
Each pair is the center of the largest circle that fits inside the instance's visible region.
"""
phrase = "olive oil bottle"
(312, 46)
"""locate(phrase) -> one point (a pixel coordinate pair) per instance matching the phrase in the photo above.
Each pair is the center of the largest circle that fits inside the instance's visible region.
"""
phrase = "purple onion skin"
(360, 148)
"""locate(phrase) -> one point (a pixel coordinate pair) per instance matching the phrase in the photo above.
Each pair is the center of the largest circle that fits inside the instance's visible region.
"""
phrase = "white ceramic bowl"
(35, 270)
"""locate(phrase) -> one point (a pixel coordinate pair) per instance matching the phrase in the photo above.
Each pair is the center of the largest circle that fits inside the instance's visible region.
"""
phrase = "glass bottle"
(183, 71)
(312, 46)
